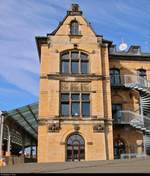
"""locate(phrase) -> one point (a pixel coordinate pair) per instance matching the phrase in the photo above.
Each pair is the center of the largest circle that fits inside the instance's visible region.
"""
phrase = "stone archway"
(75, 147)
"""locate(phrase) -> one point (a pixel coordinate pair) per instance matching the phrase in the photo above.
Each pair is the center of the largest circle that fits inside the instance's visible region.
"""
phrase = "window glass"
(115, 77)
(84, 67)
(65, 56)
(65, 109)
(74, 28)
(84, 56)
(75, 109)
(74, 55)
(85, 97)
(64, 97)
(75, 97)
(116, 111)
(74, 67)
(85, 109)
(65, 66)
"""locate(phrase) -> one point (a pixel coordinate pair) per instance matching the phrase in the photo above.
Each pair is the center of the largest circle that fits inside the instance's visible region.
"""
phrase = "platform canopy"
(26, 117)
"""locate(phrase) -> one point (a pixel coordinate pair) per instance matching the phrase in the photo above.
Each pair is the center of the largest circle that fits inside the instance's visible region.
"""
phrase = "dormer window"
(74, 28)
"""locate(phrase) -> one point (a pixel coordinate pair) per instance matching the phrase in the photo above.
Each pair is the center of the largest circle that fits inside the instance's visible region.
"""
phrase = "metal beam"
(22, 128)
(30, 109)
(18, 111)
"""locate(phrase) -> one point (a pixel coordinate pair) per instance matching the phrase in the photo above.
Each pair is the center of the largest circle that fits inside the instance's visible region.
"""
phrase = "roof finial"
(74, 10)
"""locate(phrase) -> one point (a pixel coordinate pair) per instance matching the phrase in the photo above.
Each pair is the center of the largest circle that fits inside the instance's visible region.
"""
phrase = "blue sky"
(22, 20)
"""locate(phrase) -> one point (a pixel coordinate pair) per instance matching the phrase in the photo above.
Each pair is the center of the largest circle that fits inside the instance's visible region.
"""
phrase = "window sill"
(75, 35)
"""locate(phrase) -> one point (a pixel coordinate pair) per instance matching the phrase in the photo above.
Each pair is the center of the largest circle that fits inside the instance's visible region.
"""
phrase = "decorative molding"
(76, 127)
(54, 127)
(89, 143)
(98, 128)
(77, 77)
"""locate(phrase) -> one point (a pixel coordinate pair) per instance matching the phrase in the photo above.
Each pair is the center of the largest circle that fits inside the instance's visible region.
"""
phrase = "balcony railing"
(128, 81)
(132, 118)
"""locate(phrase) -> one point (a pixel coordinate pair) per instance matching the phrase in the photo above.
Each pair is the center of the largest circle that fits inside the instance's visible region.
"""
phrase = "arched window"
(75, 148)
(115, 77)
(74, 28)
(74, 62)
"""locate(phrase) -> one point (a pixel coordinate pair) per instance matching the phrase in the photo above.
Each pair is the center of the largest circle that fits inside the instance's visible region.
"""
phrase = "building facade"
(84, 102)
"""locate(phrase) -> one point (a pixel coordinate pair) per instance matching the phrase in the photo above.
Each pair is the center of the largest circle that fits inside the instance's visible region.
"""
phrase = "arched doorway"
(119, 148)
(75, 148)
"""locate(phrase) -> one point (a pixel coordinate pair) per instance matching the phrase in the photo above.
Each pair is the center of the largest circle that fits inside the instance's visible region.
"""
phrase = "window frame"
(115, 79)
(74, 27)
(116, 118)
(79, 60)
(71, 101)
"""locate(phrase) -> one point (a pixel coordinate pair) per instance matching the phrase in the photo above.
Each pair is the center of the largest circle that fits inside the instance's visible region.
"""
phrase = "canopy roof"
(26, 117)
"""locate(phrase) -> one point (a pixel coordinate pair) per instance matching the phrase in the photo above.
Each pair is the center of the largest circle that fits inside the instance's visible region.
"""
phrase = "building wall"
(129, 100)
(99, 143)
(52, 145)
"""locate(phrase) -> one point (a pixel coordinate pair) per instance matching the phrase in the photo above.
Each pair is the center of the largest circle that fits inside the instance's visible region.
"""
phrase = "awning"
(26, 117)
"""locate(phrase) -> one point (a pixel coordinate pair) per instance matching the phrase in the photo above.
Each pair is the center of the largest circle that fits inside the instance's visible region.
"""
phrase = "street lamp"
(1, 132)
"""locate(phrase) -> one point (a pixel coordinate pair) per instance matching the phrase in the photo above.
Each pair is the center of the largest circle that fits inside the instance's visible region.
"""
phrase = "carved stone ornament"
(97, 128)
(54, 127)
(76, 127)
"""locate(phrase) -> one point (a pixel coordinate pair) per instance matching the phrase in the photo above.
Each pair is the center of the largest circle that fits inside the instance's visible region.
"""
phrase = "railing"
(133, 155)
(125, 117)
(129, 81)
(134, 119)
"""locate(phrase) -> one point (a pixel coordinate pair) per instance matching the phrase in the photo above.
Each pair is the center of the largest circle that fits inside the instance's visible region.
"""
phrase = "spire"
(74, 10)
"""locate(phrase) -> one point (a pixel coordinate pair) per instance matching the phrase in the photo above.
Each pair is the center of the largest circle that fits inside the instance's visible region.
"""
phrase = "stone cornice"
(74, 77)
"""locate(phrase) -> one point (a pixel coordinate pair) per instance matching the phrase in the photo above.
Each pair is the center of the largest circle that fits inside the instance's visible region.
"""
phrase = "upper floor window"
(74, 28)
(75, 104)
(142, 73)
(115, 77)
(142, 77)
(74, 62)
(116, 112)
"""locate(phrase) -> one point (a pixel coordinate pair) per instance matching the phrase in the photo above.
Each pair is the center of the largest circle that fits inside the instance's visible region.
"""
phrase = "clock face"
(123, 46)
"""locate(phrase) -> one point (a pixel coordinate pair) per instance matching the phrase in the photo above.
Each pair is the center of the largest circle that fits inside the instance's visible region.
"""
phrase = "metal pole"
(1, 134)
(8, 142)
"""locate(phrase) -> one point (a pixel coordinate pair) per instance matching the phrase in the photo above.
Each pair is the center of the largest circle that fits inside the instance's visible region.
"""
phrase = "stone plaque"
(75, 86)
(85, 87)
(65, 86)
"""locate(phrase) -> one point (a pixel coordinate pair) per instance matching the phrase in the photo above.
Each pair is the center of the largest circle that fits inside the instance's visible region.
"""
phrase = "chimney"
(134, 49)
(112, 49)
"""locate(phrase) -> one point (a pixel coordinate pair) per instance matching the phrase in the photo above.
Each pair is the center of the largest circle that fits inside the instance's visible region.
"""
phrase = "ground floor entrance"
(75, 148)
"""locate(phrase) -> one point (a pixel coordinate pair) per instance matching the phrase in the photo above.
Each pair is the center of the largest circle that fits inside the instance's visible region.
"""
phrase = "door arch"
(75, 147)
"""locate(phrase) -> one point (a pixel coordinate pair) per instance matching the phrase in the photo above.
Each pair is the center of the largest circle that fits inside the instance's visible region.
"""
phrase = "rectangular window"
(75, 97)
(65, 109)
(84, 67)
(85, 97)
(75, 109)
(85, 109)
(65, 66)
(75, 104)
(116, 112)
(74, 67)
(64, 97)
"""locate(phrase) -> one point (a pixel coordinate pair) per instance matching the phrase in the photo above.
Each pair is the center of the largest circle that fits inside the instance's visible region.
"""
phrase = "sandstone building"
(92, 97)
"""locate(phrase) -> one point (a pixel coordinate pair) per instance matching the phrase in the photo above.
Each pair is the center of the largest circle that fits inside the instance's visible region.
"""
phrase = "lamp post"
(1, 133)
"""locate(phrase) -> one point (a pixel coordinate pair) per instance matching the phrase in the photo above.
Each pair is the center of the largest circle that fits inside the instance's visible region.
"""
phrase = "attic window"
(74, 28)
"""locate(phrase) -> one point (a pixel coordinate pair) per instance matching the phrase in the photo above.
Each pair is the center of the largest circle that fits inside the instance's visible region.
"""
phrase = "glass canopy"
(27, 117)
